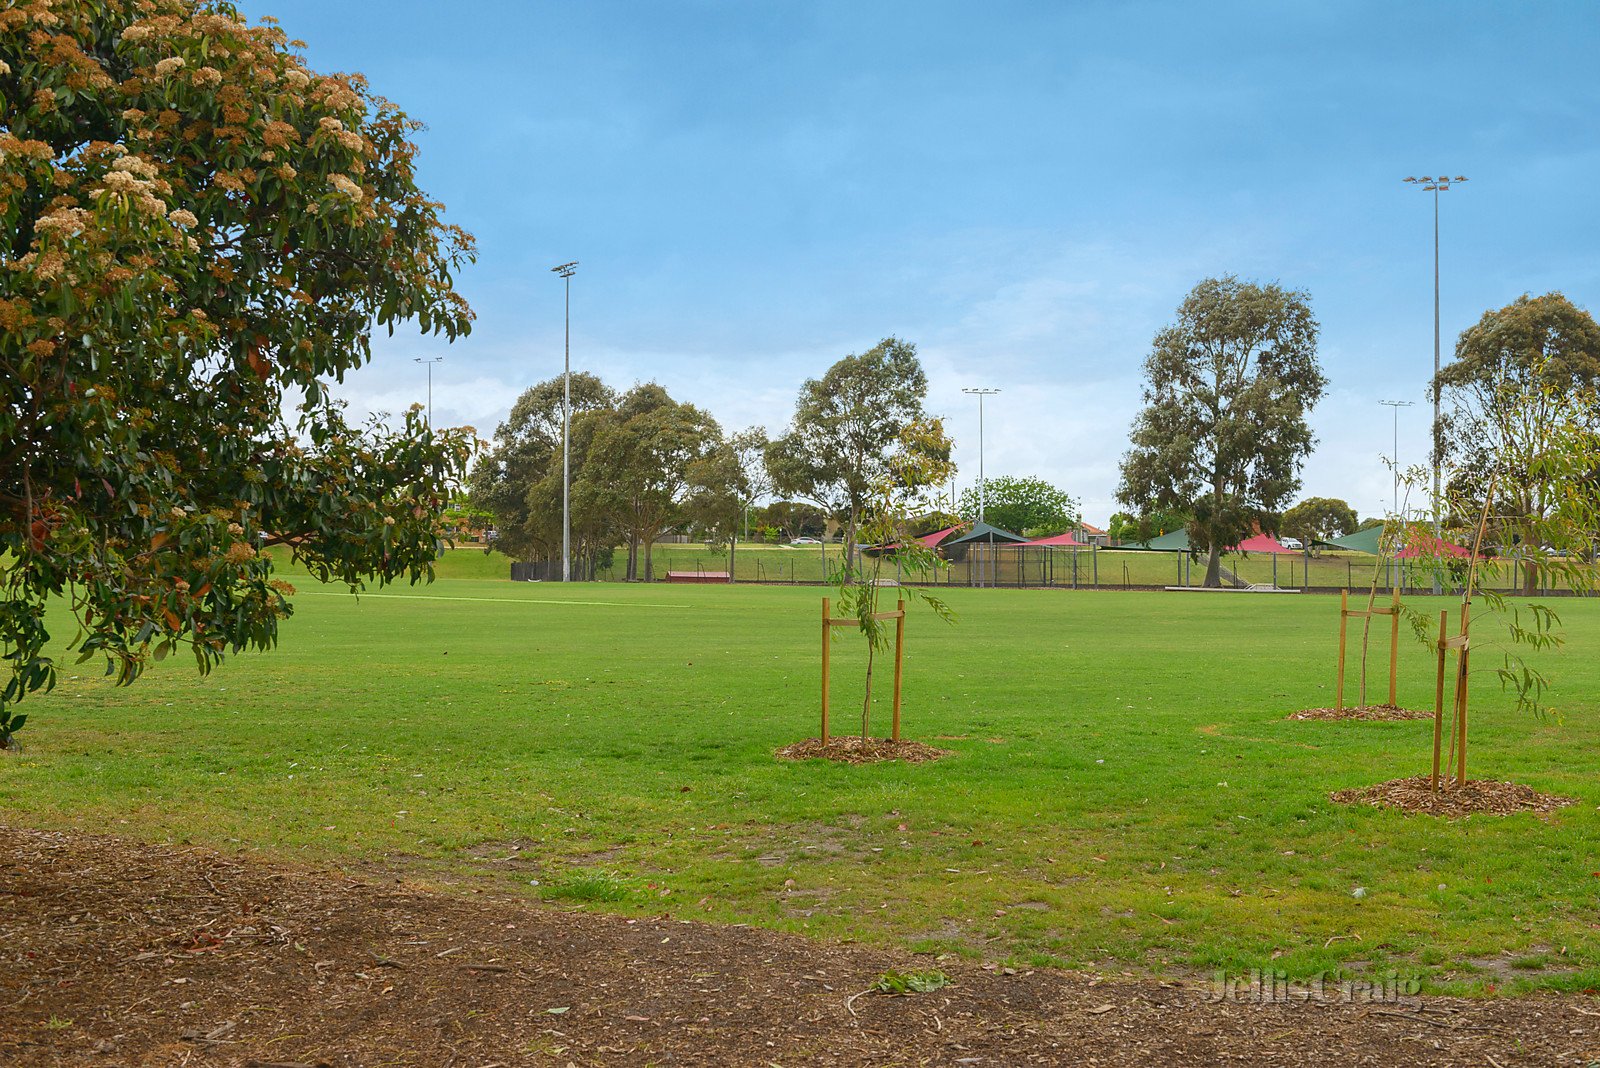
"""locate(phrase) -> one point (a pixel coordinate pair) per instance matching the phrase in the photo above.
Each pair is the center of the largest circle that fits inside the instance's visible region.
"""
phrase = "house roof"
(1066, 539)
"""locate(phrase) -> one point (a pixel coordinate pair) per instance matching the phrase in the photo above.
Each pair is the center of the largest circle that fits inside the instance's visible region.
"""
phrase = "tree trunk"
(850, 538)
(1530, 578)
(632, 572)
(1214, 568)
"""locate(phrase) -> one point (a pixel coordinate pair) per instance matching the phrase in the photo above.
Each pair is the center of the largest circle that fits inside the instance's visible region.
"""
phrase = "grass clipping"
(1366, 712)
(850, 749)
(1477, 796)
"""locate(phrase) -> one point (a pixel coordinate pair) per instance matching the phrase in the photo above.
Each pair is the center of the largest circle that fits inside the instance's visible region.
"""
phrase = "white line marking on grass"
(492, 600)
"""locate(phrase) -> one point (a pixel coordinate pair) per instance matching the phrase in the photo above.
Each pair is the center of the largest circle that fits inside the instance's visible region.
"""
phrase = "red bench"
(697, 576)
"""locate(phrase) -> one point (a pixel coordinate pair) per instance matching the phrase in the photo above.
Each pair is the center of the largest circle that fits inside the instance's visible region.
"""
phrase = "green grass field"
(1123, 793)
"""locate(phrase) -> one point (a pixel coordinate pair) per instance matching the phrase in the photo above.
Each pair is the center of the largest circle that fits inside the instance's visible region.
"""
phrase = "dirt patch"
(121, 954)
(1477, 796)
(850, 749)
(1367, 712)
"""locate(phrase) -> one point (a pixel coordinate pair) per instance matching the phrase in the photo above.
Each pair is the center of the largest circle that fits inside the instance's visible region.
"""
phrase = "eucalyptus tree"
(519, 480)
(1518, 372)
(648, 465)
(1223, 433)
(846, 430)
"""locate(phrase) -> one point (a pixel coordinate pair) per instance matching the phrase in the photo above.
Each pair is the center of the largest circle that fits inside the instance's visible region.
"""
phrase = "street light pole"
(982, 489)
(1436, 186)
(566, 271)
(429, 362)
(1397, 405)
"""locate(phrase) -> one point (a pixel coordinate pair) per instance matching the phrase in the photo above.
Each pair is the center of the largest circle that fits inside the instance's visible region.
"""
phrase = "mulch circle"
(1416, 794)
(1367, 712)
(850, 749)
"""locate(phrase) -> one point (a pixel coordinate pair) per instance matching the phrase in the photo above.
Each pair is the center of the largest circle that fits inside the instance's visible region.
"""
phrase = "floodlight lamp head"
(565, 270)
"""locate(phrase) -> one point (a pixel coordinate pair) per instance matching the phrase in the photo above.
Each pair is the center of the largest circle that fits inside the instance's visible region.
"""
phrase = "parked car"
(1291, 543)
(806, 541)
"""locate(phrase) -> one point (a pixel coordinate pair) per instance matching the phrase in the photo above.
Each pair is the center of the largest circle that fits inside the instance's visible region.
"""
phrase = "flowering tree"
(198, 231)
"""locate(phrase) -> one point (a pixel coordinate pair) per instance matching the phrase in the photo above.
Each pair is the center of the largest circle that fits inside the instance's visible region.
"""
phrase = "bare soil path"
(118, 953)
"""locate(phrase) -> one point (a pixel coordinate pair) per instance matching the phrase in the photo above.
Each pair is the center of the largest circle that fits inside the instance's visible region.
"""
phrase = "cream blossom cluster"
(132, 164)
(296, 77)
(208, 76)
(167, 66)
(63, 222)
(183, 218)
(136, 177)
(136, 32)
(344, 185)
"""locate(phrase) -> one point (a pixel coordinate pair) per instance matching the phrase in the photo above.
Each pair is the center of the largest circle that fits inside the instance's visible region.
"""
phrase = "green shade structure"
(1176, 541)
(1362, 541)
(987, 534)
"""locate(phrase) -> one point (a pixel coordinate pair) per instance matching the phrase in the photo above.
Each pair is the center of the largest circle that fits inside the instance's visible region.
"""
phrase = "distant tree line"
(644, 464)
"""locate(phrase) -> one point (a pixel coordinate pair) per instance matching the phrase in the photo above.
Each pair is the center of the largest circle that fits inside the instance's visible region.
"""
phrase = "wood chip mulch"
(1368, 712)
(852, 749)
(1487, 796)
(125, 954)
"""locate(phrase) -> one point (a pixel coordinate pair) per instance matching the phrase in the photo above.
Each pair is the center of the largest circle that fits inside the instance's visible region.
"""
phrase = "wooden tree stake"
(1344, 614)
(1392, 610)
(828, 622)
(899, 658)
(1394, 645)
(825, 643)
(1438, 699)
(1461, 698)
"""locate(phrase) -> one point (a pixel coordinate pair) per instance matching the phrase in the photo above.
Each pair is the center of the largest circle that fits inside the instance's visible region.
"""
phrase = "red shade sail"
(1264, 543)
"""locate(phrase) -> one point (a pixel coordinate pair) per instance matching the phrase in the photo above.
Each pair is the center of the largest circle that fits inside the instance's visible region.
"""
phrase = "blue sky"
(1025, 190)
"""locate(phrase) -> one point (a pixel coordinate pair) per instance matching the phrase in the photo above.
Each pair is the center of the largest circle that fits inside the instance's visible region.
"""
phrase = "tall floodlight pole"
(566, 271)
(1397, 405)
(429, 362)
(982, 489)
(1436, 186)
